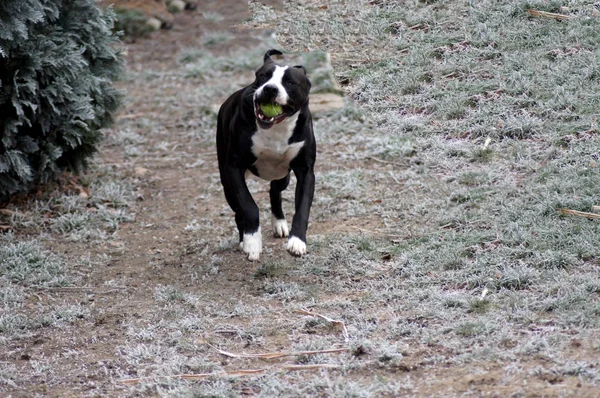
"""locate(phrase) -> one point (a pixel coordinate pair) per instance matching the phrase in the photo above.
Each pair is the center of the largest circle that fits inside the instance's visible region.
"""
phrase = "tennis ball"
(271, 110)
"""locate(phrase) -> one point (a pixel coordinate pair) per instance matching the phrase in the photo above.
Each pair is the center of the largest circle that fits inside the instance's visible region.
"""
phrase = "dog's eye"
(289, 82)
(261, 78)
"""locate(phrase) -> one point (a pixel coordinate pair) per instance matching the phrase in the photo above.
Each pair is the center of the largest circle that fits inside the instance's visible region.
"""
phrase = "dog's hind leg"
(280, 226)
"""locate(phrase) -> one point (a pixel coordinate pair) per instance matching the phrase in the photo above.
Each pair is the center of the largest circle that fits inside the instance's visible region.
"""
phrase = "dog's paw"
(252, 245)
(280, 228)
(296, 247)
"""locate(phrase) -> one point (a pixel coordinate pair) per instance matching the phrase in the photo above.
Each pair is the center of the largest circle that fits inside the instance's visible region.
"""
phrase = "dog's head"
(280, 91)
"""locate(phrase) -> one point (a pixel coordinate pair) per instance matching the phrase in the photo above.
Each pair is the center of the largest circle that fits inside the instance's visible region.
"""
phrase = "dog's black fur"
(239, 120)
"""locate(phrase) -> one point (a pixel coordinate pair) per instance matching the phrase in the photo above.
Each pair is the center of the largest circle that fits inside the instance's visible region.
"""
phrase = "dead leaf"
(141, 171)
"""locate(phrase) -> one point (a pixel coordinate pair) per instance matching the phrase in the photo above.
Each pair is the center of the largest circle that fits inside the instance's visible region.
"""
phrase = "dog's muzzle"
(265, 121)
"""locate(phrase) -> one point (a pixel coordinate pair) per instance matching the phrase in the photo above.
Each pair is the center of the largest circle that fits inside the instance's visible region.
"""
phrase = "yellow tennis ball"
(271, 110)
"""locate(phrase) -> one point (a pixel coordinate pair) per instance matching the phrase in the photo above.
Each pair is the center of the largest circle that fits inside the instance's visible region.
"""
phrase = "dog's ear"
(301, 68)
(304, 71)
(271, 52)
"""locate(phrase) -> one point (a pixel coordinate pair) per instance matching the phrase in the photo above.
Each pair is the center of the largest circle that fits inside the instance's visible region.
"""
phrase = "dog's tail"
(271, 52)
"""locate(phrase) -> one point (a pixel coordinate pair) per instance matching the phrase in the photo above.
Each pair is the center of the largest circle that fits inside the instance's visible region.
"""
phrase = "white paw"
(252, 245)
(296, 246)
(280, 227)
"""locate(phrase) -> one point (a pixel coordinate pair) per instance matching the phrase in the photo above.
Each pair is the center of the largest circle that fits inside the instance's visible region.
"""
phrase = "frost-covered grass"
(434, 235)
(88, 212)
(474, 123)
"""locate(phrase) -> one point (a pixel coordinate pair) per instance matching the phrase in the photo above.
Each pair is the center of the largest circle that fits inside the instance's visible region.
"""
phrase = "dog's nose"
(270, 90)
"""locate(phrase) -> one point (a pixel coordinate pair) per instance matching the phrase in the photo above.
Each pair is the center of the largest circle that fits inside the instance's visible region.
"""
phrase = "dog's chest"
(273, 152)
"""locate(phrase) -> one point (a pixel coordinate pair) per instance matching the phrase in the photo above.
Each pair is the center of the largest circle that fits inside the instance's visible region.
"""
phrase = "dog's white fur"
(296, 246)
(280, 227)
(252, 245)
(272, 151)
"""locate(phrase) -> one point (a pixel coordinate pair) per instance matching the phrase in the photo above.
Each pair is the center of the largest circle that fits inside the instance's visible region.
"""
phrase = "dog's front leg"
(305, 189)
(246, 211)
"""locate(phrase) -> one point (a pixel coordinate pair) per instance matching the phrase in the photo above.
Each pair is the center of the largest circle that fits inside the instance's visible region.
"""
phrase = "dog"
(269, 147)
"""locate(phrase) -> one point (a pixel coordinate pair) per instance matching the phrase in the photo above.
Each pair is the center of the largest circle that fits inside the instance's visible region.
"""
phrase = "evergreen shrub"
(57, 62)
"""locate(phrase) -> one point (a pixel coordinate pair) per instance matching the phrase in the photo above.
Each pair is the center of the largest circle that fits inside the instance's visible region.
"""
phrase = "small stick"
(76, 289)
(245, 372)
(537, 13)
(339, 324)
(200, 376)
(579, 213)
(311, 367)
(596, 208)
(274, 355)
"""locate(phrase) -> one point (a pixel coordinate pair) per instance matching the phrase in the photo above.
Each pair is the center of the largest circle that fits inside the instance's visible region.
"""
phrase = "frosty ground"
(435, 236)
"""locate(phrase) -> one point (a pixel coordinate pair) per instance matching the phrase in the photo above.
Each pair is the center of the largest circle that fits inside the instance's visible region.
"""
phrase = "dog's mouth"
(269, 114)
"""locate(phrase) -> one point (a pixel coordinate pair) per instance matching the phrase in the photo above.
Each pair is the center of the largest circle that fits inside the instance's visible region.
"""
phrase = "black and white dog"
(248, 141)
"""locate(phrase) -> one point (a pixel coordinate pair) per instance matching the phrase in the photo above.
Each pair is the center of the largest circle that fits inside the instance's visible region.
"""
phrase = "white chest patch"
(272, 151)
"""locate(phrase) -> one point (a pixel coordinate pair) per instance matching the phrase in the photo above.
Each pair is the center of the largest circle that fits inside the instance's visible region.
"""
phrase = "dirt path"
(151, 250)
(177, 181)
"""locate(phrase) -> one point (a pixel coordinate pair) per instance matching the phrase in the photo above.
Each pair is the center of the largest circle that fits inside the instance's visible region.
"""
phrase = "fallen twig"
(579, 213)
(79, 289)
(235, 373)
(312, 367)
(338, 323)
(137, 380)
(537, 13)
(274, 355)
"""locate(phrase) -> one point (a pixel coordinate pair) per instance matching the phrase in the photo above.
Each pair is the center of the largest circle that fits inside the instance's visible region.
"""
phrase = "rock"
(326, 102)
